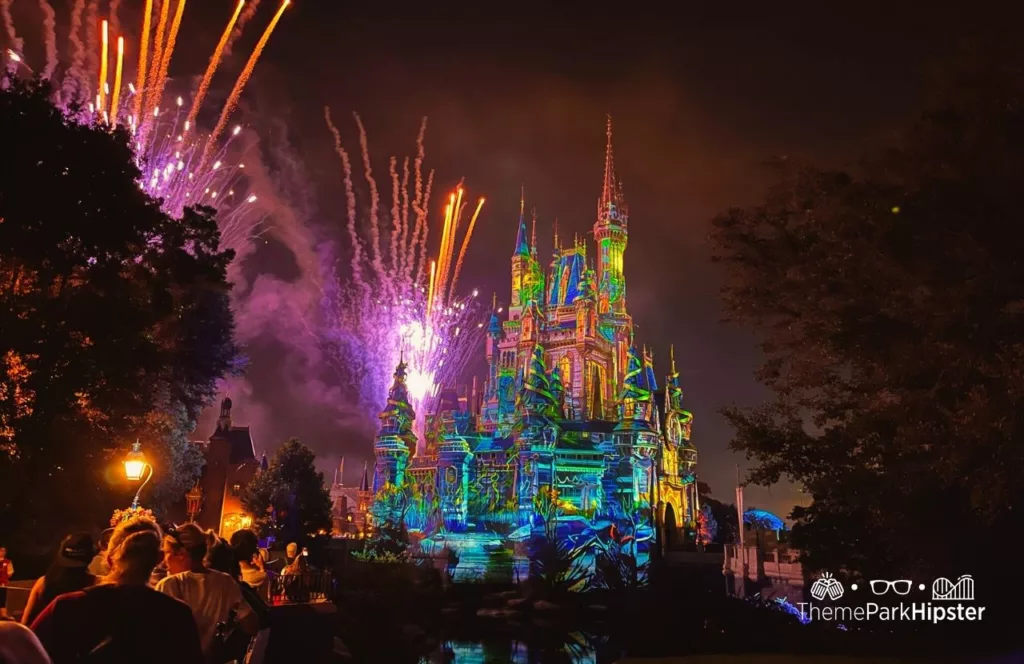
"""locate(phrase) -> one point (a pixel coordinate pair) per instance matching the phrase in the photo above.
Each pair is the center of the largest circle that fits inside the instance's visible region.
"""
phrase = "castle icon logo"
(944, 589)
(827, 586)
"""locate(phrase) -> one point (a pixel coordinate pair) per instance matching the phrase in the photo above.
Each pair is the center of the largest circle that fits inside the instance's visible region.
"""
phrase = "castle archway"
(671, 529)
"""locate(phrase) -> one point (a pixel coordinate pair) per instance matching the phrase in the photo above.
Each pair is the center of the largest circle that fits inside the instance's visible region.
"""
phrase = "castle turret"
(520, 264)
(396, 440)
(611, 234)
(224, 421)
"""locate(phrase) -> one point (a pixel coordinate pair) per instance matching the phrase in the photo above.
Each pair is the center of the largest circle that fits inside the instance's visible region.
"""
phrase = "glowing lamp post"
(193, 499)
(135, 467)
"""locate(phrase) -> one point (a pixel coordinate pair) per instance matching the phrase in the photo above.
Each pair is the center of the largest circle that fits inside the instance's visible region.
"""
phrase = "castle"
(570, 416)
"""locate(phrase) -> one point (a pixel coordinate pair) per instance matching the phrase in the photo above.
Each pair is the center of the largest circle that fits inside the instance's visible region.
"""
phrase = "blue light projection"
(565, 464)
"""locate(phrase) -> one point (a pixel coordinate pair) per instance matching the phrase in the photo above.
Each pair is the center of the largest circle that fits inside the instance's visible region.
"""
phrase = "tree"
(891, 306)
(707, 526)
(290, 495)
(115, 321)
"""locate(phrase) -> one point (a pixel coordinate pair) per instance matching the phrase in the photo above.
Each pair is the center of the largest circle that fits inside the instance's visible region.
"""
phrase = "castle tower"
(637, 439)
(611, 234)
(396, 441)
(521, 260)
(224, 421)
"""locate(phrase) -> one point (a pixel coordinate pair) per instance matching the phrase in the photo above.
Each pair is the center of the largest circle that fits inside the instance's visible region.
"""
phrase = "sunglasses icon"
(900, 587)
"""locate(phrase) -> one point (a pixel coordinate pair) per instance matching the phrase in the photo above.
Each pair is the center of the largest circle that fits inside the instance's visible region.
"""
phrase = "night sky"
(702, 100)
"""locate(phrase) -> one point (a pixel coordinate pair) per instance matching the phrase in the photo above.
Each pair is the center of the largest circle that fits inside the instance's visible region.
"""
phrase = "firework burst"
(180, 165)
(385, 308)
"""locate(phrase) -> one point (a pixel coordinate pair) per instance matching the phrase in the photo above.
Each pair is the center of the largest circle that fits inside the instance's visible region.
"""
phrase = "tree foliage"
(891, 304)
(114, 317)
(289, 499)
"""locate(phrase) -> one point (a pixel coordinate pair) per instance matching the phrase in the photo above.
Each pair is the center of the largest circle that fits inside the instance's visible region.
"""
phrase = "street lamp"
(193, 499)
(135, 466)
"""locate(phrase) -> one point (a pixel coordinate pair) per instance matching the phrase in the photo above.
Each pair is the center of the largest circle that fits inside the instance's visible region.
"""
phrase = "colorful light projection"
(562, 467)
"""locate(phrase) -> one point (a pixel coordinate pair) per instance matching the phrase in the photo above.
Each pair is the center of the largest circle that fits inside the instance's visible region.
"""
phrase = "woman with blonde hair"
(123, 619)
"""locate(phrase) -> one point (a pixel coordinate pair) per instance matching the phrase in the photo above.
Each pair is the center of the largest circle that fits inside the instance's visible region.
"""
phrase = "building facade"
(571, 424)
(230, 465)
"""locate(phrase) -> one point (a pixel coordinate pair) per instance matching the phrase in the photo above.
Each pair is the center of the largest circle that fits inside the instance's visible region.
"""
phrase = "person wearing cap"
(213, 596)
(68, 573)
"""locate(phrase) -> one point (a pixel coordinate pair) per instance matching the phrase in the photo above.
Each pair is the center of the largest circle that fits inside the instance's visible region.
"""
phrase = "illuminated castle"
(570, 410)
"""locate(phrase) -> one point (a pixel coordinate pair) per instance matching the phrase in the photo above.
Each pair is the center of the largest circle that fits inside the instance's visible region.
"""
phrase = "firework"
(179, 167)
(386, 313)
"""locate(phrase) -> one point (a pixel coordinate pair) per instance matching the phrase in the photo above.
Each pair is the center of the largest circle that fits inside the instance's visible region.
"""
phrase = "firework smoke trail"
(396, 213)
(403, 260)
(92, 26)
(243, 78)
(12, 35)
(73, 79)
(250, 11)
(371, 325)
(378, 264)
(115, 22)
(50, 36)
(357, 247)
(218, 53)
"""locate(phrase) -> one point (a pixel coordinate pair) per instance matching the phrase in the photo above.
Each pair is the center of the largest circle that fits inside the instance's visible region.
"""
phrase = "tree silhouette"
(290, 495)
(114, 316)
(891, 303)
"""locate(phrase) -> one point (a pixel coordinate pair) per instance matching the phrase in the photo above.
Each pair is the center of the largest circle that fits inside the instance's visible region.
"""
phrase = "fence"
(306, 588)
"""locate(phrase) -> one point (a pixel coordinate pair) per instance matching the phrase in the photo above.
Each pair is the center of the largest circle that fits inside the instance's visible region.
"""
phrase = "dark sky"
(702, 96)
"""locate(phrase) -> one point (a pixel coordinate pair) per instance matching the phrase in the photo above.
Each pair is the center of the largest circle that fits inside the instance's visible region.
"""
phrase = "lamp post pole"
(135, 466)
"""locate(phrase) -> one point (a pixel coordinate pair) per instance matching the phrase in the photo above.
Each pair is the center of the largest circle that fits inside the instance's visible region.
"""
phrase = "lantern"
(193, 499)
(135, 463)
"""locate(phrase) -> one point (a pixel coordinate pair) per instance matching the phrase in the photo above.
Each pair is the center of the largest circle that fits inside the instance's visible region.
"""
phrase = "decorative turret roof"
(398, 415)
(611, 207)
(364, 483)
(522, 246)
(672, 388)
(494, 328)
(636, 399)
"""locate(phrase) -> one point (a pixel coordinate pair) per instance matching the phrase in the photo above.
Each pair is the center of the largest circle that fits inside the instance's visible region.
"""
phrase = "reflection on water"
(577, 648)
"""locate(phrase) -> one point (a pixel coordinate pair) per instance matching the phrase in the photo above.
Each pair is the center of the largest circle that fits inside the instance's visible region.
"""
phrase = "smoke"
(289, 388)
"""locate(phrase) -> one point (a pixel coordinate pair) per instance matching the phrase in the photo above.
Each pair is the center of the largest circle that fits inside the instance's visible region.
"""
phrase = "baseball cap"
(76, 551)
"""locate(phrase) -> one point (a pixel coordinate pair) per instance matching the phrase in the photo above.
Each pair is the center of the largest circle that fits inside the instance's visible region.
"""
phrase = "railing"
(305, 588)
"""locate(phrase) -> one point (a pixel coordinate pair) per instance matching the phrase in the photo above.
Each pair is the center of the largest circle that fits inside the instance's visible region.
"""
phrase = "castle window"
(565, 371)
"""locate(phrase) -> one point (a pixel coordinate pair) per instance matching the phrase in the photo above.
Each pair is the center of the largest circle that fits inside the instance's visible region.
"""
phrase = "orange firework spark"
(218, 53)
(140, 76)
(158, 54)
(116, 95)
(243, 78)
(430, 289)
(103, 71)
(165, 56)
(465, 244)
(446, 231)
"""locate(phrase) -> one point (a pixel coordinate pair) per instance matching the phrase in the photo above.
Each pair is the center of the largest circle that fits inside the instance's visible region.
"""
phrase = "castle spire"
(364, 484)
(557, 245)
(522, 248)
(672, 358)
(611, 209)
(533, 234)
